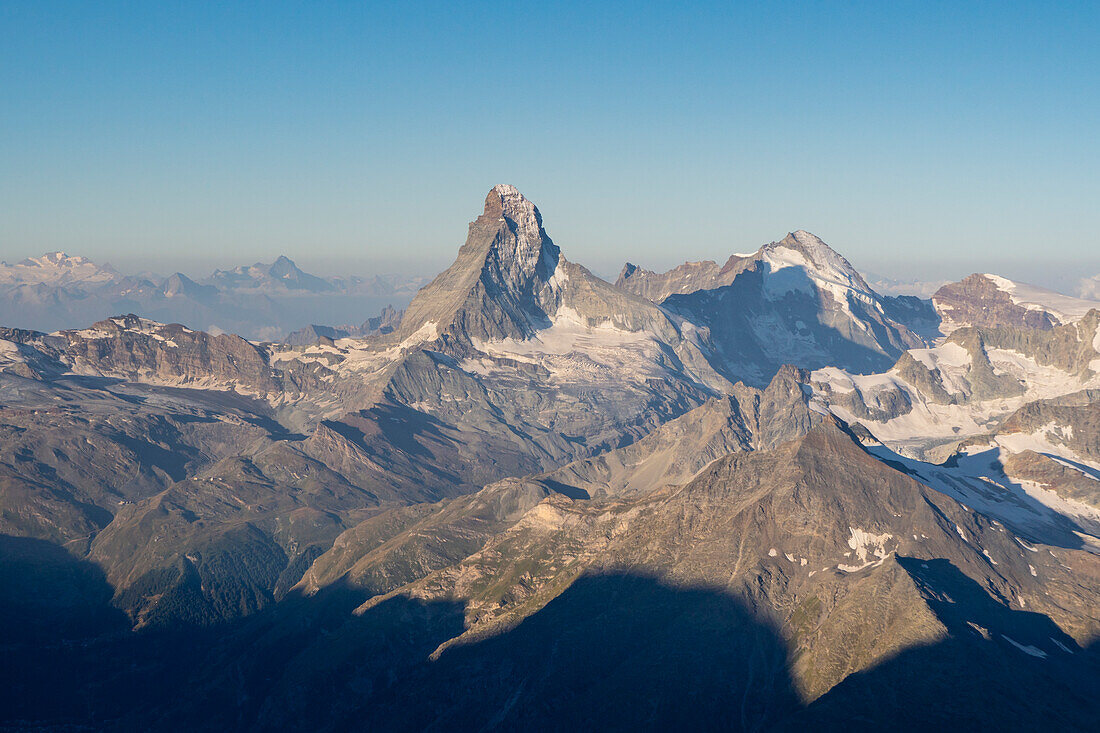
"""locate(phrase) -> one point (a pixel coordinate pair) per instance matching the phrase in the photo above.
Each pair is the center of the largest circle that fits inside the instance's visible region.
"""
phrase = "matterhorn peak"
(510, 202)
(506, 202)
(503, 282)
(524, 250)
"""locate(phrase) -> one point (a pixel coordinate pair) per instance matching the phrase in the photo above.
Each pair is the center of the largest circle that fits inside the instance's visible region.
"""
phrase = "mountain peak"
(506, 200)
(502, 282)
(57, 259)
(807, 243)
(283, 266)
(808, 251)
(507, 203)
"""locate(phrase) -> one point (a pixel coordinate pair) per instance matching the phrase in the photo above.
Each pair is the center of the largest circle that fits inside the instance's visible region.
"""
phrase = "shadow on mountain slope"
(765, 319)
(50, 605)
(612, 651)
(999, 669)
(48, 595)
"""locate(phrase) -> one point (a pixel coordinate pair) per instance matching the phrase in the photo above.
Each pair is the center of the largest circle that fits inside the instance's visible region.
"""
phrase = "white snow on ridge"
(929, 422)
(571, 349)
(945, 355)
(568, 332)
(1065, 308)
(815, 269)
(54, 268)
(978, 481)
(10, 353)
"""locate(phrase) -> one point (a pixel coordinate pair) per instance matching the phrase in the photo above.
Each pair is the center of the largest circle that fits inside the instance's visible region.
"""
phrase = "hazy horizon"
(923, 140)
(1057, 274)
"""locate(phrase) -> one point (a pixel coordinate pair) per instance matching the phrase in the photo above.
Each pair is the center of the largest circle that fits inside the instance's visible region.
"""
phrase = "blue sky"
(920, 139)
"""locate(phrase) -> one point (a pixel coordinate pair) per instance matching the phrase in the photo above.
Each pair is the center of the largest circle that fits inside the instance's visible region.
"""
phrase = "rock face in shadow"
(51, 605)
(612, 652)
(998, 669)
(795, 301)
(615, 651)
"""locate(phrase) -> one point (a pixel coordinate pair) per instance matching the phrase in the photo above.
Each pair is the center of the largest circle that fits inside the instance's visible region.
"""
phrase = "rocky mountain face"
(795, 301)
(990, 301)
(682, 279)
(759, 496)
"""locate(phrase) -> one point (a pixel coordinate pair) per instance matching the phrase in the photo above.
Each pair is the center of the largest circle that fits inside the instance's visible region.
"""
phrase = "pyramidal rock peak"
(526, 452)
(505, 282)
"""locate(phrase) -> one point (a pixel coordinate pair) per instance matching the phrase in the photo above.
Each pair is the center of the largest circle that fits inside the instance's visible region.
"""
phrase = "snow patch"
(1026, 648)
(861, 541)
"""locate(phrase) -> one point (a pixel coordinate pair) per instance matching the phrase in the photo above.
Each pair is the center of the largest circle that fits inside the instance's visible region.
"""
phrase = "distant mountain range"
(262, 302)
(752, 496)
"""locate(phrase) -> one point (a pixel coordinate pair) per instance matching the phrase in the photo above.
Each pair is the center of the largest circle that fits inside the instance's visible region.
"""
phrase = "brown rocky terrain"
(543, 501)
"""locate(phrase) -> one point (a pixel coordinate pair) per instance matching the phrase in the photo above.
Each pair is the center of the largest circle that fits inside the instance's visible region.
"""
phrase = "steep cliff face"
(505, 282)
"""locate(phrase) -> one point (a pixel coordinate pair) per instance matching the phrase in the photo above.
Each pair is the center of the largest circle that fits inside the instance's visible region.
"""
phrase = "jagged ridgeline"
(750, 496)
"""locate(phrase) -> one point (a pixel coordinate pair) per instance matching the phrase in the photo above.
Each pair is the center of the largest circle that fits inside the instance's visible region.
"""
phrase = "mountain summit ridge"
(502, 283)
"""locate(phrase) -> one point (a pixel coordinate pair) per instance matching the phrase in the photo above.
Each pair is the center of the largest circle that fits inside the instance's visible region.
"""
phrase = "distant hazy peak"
(56, 259)
(283, 266)
(56, 268)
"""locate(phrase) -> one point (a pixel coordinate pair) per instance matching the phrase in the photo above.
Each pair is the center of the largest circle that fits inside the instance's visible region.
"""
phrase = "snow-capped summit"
(56, 259)
(819, 261)
(55, 268)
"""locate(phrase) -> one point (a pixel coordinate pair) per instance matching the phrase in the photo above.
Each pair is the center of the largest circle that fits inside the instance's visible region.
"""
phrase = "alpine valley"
(755, 495)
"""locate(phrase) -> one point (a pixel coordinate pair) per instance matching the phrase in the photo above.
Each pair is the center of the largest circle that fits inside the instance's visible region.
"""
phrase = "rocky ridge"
(542, 493)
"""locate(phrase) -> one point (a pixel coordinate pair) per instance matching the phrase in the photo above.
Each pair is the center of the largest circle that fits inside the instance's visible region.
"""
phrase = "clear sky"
(916, 138)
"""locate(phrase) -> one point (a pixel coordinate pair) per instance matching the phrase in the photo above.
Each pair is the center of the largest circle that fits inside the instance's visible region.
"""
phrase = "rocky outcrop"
(977, 301)
(382, 324)
(990, 301)
(133, 348)
(682, 279)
